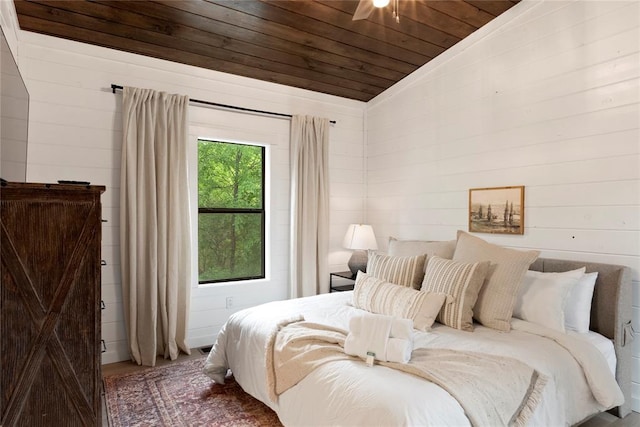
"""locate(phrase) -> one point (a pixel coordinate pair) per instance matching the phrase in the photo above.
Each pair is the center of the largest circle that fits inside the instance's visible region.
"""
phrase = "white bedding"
(350, 393)
(603, 344)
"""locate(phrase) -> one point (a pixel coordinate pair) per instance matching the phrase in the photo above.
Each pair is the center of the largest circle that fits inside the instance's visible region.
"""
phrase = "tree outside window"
(231, 215)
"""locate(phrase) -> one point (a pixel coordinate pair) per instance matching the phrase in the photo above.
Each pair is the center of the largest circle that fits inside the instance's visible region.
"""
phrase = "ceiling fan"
(365, 7)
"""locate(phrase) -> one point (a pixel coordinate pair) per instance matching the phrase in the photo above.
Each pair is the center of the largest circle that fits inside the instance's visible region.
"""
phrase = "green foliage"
(232, 247)
(229, 175)
(230, 244)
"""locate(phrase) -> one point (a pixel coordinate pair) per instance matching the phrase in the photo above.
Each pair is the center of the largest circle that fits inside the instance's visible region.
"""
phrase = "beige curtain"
(309, 206)
(155, 236)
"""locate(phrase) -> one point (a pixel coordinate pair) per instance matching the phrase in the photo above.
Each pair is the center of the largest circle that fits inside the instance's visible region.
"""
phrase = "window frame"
(262, 211)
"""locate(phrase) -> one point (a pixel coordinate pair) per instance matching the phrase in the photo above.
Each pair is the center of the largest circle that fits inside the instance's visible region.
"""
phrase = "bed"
(349, 392)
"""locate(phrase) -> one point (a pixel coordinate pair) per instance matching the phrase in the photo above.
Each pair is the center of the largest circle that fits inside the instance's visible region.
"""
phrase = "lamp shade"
(360, 236)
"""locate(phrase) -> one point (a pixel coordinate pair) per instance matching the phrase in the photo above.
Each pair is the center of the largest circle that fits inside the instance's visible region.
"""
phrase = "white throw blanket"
(387, 338)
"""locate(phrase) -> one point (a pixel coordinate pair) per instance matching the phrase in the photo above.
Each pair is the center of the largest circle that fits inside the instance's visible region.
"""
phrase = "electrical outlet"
(229, 302)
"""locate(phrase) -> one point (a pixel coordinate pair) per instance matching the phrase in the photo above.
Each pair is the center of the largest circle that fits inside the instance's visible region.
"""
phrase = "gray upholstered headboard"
(610, 313)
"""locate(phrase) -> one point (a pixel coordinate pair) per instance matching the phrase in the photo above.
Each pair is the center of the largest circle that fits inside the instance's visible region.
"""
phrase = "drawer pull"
(104, 346)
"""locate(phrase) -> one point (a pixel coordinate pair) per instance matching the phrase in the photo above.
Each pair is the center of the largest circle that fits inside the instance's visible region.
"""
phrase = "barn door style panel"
(50, 305)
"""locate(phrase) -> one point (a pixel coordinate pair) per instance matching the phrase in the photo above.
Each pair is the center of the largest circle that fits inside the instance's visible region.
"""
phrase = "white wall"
(547, 96)
(14, 112)
(9, 24)
(76, 130)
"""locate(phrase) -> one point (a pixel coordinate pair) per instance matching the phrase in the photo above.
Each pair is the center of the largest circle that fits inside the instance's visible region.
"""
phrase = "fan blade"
(364, 9)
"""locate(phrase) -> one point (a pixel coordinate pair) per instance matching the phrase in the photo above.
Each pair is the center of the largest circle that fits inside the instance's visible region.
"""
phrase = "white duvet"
(348, 393)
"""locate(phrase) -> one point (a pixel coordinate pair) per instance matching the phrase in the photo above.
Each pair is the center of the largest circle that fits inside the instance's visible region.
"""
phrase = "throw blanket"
(390, 339)
(492, 390)
(296, 348)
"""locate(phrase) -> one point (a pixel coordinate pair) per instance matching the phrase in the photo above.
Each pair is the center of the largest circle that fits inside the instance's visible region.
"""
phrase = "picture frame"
(498, 210)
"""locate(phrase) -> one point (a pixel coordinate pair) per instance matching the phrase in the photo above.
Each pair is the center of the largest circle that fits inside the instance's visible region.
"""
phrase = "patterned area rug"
(181, 395)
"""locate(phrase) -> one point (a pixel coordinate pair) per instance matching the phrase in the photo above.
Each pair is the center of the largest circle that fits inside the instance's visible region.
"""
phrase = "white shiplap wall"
(9, 24)
(546, 96)
(9, 27)
(76, 129)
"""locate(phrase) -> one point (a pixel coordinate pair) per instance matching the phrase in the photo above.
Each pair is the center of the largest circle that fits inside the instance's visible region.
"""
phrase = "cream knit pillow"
(498, 294)
(377, 296)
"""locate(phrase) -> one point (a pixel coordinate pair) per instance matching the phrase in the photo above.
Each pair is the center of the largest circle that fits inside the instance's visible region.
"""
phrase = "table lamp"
(360, 238)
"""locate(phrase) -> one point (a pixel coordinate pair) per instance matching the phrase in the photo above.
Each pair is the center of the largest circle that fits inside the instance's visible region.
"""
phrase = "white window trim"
(193, 200)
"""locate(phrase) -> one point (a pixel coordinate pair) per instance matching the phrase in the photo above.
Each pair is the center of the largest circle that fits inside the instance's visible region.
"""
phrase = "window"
(231, 214)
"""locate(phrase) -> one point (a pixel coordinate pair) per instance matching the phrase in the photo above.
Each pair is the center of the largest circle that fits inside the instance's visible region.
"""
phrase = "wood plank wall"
(76, 130)
(547, 96)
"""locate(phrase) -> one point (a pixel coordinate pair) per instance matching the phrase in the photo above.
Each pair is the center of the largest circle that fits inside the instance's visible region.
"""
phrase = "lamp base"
(358, 261)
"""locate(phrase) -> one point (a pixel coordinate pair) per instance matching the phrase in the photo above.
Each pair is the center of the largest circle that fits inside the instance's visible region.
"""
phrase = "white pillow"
(542, 297)
(577, 311)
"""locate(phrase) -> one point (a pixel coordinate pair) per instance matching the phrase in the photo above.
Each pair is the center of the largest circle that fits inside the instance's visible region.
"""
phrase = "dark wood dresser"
(50, 305)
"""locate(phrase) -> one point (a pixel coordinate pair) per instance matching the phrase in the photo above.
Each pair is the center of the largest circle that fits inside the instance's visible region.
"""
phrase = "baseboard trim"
(202, 341)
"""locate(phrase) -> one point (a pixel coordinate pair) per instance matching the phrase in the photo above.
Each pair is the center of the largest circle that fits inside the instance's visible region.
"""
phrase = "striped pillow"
(377, 296)
(401, 270)
(498, 294)
(460, 280)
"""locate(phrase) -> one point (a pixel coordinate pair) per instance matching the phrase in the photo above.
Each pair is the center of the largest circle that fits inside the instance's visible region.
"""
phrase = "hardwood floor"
(600, 420)
(606, 419)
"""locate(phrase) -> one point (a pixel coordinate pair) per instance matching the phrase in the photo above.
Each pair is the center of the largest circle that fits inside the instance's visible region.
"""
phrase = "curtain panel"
(309, 163)
(155, 231)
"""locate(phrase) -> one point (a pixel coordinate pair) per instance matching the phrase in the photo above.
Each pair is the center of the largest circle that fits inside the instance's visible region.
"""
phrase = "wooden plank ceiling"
(308, 44)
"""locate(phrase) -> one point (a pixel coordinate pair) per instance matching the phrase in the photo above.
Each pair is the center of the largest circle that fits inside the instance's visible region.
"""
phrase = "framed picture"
(496, 210)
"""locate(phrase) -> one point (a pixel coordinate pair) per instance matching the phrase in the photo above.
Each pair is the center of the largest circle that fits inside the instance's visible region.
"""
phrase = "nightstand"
(341, 287)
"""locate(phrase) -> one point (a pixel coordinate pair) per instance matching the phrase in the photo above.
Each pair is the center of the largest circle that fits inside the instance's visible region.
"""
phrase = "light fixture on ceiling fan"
(365, 7)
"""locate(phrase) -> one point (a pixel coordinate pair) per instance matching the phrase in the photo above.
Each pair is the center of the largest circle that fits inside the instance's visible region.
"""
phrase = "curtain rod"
(115, 87)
